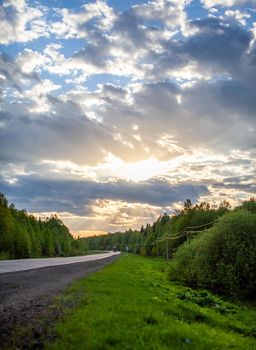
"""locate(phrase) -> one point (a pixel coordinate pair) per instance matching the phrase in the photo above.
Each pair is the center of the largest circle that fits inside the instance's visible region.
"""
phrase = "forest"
(142, 241)
(24, 236)
(212, 247)
(208, 247)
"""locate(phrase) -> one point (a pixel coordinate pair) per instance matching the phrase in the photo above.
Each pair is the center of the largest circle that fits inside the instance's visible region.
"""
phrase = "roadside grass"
(131, 304)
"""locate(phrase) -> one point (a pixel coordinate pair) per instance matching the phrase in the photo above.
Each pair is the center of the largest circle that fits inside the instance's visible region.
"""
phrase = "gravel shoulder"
(26, 295)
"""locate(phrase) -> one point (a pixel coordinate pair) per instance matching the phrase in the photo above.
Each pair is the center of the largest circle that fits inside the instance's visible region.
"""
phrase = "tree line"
(24, 236)
(222, 258)
(219, 255)
(142, 241)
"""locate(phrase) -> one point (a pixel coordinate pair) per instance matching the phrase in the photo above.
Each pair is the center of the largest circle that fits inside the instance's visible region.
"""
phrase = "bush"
(249, 205)
(223, 258)
(206, 299)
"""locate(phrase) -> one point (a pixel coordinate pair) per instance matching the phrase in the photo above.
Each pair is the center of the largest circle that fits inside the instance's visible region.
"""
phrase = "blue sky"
(115, 111)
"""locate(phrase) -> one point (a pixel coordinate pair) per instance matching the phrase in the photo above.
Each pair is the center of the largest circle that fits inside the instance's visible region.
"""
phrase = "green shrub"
(206, 299)
(222, 258)
(249, 205)
(4, 256)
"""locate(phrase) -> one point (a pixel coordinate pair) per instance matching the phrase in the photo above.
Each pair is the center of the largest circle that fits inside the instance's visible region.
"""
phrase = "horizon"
(113, 113)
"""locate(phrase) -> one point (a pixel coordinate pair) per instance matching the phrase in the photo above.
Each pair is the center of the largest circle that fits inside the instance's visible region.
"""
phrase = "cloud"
(227, 3)
(54, 136)
(171, 13)
(73, 24)
(217, 114)
(183, 108)
(12, 75)
(112, 216)
(129, 37)
(76, 196)
(20, 22)
(217, 44)
(214, 47)
(50, 60)
(223, 121)
(251, 188)
(239, 16)
(31, 61)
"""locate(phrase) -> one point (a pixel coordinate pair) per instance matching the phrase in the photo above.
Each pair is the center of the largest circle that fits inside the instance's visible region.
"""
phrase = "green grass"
(130, 304)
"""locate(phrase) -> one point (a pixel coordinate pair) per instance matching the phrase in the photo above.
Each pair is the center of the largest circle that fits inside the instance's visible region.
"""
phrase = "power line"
(184, 232)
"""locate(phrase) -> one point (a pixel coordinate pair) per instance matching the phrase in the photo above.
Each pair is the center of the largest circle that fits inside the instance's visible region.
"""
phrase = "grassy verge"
(131, 305)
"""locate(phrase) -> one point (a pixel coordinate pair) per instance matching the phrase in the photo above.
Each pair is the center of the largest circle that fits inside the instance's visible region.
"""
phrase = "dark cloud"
(218, 114)
(40, 194)
(237, 179)
(129, 26)
(217, 43)
(12, 75)
(65, 133)
(251, 187)
(217, 46)
(96, 53)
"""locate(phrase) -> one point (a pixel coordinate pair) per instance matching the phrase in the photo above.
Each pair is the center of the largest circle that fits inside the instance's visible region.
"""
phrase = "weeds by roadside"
(132, 305)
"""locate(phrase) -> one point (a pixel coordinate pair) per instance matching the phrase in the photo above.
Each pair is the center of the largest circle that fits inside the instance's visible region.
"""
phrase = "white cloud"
(239, 16)
(50, 59)
(13, 78)
(30, 61)
(227, 3)
(39, 103)
(72, 23)
(58, 64)
(20, 23)
(125, 38)
(171, 13)
(19, 5)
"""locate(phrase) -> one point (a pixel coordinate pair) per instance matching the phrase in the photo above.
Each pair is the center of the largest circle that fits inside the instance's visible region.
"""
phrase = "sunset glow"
(113, 112)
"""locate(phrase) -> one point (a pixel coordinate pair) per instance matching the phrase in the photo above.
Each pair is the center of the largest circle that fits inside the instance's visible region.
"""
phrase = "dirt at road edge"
(27, 311)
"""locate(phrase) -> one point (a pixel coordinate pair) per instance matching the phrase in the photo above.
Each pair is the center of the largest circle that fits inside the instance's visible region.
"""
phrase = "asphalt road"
(29, 264)
(27, 296)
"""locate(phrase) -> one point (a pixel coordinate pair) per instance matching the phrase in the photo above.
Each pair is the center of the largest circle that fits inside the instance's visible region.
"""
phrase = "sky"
(114, 112)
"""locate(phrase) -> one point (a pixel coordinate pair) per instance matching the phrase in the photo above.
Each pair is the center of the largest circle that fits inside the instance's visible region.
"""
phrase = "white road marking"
(29, 264)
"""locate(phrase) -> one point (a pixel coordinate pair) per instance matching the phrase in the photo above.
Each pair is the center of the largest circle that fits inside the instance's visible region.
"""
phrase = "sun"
(134, 171)
(142, 170)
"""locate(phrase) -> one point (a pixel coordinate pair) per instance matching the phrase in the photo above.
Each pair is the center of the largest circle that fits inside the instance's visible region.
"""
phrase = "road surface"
(27, 296)
(29, 264)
